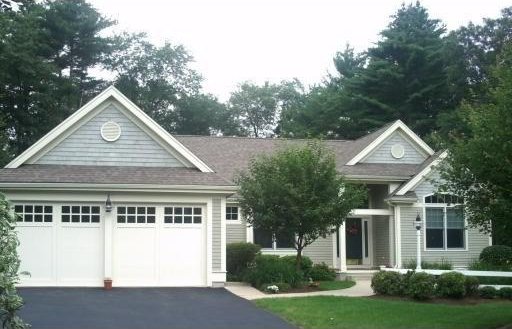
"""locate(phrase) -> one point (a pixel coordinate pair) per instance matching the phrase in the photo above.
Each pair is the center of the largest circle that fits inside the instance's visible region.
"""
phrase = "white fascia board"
(397, 125)
(421, 175)
(90, 106)
(210, 189)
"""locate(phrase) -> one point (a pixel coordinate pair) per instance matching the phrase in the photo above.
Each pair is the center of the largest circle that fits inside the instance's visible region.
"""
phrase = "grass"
(358, 313)
(335, 285)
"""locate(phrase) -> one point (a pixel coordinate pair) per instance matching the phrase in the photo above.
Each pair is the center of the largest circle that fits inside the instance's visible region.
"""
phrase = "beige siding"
(236, 232)
(380, 240)
(216, 235)
(321, 250)
(476, 242)
(383, 153)
(85, 146)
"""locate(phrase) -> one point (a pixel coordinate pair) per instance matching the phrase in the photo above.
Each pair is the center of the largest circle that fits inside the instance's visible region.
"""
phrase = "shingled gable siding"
(321, 250)
(216, 235)
(383, 153)
(236, 232)
(85, 146)
(476, 240)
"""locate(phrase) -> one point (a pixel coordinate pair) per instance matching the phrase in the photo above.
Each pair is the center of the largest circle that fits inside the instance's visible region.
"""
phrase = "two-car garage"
(66, 244)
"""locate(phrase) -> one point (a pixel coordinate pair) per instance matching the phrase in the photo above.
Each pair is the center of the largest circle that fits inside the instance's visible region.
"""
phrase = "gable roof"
(74, 119)
(425, 169)
(230, 155)
(373, 140)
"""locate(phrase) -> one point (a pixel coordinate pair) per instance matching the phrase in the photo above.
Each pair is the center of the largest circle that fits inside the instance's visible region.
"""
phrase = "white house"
(109, 194)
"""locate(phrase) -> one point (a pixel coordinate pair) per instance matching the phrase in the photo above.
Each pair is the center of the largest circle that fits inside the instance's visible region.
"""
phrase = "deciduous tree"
(297, 191)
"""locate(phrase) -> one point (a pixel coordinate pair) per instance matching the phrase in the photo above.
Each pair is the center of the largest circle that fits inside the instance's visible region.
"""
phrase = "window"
(183, 215)
(445, 225)
(268, 240)
(34, 213)
(80, 214)
(136, 215)
(232, 213)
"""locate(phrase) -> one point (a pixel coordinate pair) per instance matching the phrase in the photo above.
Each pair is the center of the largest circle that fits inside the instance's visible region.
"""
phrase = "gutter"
(211, 189)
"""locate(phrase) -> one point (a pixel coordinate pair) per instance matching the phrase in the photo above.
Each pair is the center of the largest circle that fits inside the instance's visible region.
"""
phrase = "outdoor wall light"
(108, 204)
(417, 224)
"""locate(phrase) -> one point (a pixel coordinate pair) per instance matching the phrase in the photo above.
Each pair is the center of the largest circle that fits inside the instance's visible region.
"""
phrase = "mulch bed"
(448, 301)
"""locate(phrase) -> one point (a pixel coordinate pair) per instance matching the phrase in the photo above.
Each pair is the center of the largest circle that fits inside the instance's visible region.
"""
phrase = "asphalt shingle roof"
(110, 175)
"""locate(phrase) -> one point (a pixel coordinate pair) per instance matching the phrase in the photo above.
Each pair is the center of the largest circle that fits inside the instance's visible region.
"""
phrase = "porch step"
(357, 275)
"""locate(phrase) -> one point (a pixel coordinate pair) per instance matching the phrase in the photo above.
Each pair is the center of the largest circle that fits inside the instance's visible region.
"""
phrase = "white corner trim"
(397, 125)
(398, 237)
(421, 175)
(90, 106)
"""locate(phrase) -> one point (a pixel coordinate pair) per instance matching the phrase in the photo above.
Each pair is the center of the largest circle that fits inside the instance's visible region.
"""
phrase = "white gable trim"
(93, 104)
(421, 175)
(379, 140)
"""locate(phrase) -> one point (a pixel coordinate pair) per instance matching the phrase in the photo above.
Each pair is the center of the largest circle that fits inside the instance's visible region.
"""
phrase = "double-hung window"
(267, 240)
(445, 225)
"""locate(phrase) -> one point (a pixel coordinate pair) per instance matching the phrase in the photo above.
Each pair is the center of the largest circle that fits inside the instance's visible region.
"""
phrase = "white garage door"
(60, 245)
(159, 245)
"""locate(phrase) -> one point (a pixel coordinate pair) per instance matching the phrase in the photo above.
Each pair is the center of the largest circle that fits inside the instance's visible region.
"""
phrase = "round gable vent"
(110, 131)
(397, 151)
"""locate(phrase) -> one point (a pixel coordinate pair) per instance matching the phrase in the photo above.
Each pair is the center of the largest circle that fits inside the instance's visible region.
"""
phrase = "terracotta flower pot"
(107, 284)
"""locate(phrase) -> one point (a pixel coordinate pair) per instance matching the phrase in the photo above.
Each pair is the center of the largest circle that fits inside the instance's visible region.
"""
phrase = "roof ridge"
(269, 138)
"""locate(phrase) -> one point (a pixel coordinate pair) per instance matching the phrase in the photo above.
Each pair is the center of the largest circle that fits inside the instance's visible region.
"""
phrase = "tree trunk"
(298, 261)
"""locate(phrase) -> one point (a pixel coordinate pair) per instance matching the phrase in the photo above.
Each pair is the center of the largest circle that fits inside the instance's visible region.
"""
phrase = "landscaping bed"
(315, 286)
(378, 312)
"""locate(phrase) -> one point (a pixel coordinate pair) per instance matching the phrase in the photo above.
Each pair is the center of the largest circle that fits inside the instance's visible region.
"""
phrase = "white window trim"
(424, 224)
(230, 221)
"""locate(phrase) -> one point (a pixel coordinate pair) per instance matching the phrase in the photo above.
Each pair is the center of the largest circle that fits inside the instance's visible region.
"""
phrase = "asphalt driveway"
(137, 308)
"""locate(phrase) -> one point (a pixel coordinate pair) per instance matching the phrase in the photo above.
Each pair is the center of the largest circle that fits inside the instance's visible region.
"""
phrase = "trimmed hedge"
(239, 256)
(271, 269)
(451, 285)
(505, 293)
(322, 272)
(387, 283)
(421, 286)
(497, 255)
(488, 292)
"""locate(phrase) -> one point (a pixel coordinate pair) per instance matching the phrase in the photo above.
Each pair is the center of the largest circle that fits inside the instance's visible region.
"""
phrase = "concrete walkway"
(361, 289)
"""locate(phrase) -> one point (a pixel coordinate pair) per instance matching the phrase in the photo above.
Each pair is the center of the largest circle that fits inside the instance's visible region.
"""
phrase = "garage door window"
(80, 214)
(136, 215)
(34, 213)
(183, 215)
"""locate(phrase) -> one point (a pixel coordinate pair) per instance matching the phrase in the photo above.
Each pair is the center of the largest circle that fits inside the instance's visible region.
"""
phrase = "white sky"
(256, 40)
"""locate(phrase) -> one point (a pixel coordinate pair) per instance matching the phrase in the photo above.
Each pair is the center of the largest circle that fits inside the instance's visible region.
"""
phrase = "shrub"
(238, 257)
(451, 285)
(505, 292)
(283, 286)
(471, 284)
(497, 255)
(441, 265)
(387, 283)
(322, 272)
(421, 286)
(305, 266)
(488, 292)
(272, 269)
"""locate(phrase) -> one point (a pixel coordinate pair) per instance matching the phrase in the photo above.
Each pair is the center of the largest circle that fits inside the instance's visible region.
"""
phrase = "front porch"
(365, 241)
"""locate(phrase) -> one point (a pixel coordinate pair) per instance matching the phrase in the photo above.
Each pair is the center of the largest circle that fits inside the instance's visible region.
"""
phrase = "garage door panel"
(134, 256)
(182, 256)
(80, 255)
(36, 254)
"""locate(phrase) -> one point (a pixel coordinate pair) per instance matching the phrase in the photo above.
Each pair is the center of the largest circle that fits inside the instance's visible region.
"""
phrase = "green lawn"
(354, 313)
(335, 285)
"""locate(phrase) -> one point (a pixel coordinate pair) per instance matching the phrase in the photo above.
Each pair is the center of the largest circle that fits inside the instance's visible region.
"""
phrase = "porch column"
(108, 222)
(343, 248)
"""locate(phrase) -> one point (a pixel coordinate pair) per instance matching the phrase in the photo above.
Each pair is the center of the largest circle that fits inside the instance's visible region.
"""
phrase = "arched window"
(445, 225)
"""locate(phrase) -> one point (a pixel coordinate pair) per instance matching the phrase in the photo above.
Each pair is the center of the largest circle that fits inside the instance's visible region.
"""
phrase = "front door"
(354, 239)
(357, 237)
